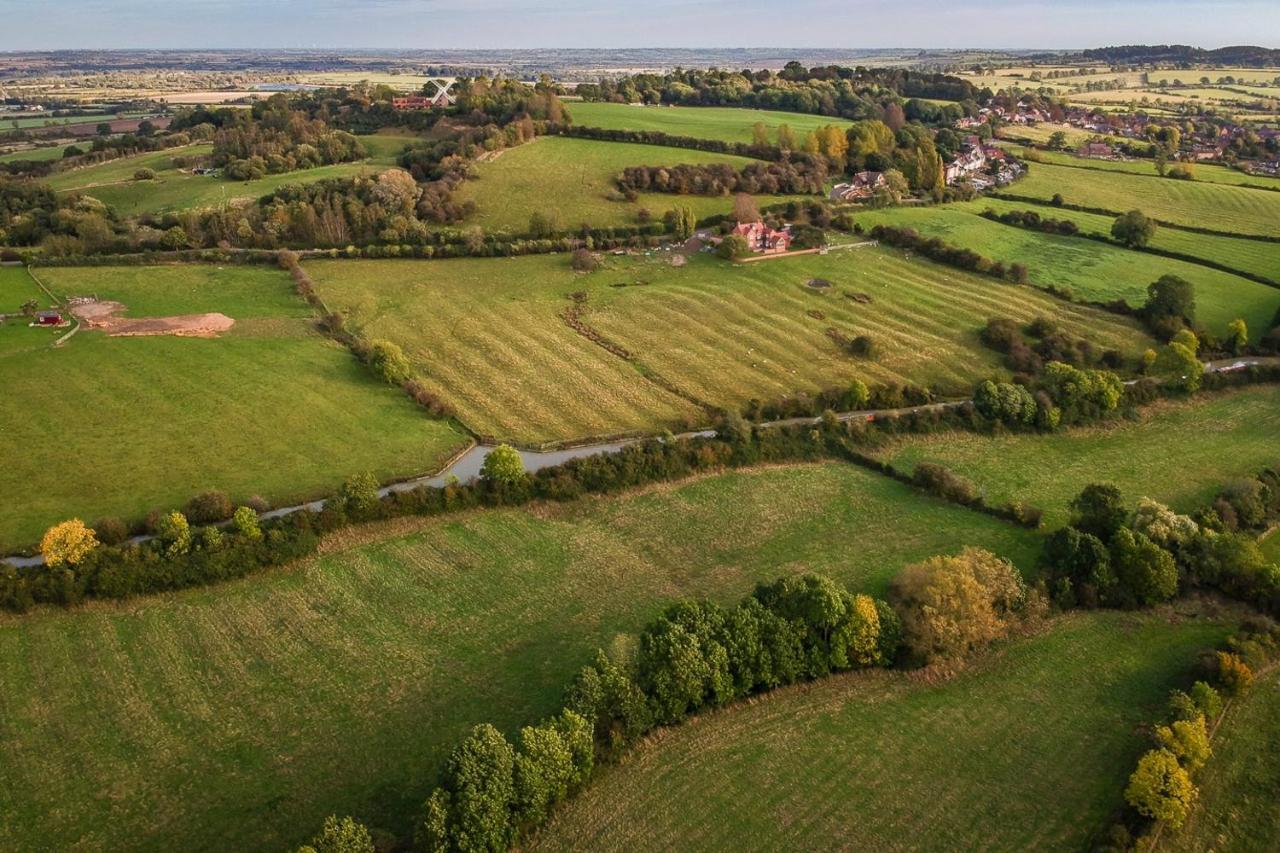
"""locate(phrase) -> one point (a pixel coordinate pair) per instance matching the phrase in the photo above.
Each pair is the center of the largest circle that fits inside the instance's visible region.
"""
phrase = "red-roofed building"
(762, 239)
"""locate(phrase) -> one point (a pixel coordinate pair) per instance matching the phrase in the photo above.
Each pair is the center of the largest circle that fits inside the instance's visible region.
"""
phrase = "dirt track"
(103, 317)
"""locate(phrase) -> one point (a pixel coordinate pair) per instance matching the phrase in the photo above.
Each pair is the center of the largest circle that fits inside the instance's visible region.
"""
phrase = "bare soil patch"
(104, 317)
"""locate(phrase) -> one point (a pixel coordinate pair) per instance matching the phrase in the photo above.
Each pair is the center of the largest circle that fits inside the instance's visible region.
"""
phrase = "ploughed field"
(174, 189)
(239, 716)
(1228, 209)
(1093, 270)
(1179, 453)
(728, 124)
(490, 336)
(571, 181)
(1237, 806)
(1026, 749)
(118, 426)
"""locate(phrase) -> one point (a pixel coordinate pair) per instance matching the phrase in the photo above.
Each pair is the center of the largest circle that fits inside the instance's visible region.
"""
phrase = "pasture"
(729, 124)
(118, 426)
(50, 152)
(1093, 270)
(17, 288)
(1179, 453)
(1028, 748)
(1206, 172)
(238, 717)
(1232, 210)
(571, 181)
(1258, 257)
(173, 189)
(1237, 807)
(488, 334)
(1040, 133)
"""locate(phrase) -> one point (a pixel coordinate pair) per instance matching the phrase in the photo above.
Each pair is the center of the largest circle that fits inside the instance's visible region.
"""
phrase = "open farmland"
(173, 189)
(50, 152)
(1233, 210)
(488, 334)
(17, 288)
(1028, 749)
(1040, 133)
(724, 123)
(1237, 806)
(238, 717)
(1205, 172)
(1180, 454)
(1259, 257)
(123, 425)
(1092, 270)
(572, 181)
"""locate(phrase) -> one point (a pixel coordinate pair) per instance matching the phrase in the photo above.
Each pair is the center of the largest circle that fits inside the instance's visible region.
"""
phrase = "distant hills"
(1250, 55)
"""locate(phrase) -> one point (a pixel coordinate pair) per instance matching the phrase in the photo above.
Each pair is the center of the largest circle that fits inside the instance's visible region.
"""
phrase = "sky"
(425, 24)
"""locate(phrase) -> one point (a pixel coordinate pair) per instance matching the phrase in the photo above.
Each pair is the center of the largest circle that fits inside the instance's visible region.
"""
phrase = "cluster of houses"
(982, 166)
(860, 187)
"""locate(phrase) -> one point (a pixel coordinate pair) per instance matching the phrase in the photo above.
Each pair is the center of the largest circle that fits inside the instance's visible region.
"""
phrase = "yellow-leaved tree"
(68, 543)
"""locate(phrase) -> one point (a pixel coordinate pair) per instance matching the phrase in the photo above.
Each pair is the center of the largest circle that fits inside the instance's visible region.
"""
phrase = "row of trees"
(794, 174)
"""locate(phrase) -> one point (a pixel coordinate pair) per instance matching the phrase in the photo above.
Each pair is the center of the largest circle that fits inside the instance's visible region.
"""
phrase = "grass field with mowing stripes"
(570, 181)
(1027, 749)
(1204, 172)
(488, 336)
(238, 717)
(121, 426)
(1232, 210)
(1093, 270)
(1253, 256)
(729, 124)
(1177, 453)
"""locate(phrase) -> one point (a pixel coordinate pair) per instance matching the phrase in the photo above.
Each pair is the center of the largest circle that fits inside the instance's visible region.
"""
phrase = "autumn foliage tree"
(68, 543)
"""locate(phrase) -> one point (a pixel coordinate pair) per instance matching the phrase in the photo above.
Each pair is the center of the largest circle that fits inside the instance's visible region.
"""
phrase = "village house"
(970, 159)
(413, 102)
(763, 240)
(862, 186)
(1095, 149)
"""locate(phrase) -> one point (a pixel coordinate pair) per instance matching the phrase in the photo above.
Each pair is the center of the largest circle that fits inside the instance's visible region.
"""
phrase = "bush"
(503, 465)
(943, 483)
(209, 507)
(246, 523)
(340, 836)
(67, 544)
(584, 261)
(389, 362)
(111, 530)
(1160, 788)
(1186, 739)
(733, 247)
(1234, 674)
(144, 175)
(359, 495)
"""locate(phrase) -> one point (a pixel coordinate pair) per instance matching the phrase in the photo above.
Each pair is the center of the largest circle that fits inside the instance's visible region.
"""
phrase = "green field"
(17, 287)
(1233, 210)
(30, 122)
(1028, 749)
(120, 426)
(1178, 453)
(1237, 807)
(570, 180)
(1253, 256)
(1040, 133)
(1204, 172)
(1271, 546)
(238, 717)
(1093, 270)
(53, 152)
(487, 335)
(729, 124)
(171, 190)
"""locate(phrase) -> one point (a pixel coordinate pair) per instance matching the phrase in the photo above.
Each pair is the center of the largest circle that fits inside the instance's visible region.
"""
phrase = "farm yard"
(728, 124)
(1048, 471)
(119, 426)
(1232, 210)
(1043, 732)
(240, 716)
(489, 335)
(571, 181)
(1093, 270)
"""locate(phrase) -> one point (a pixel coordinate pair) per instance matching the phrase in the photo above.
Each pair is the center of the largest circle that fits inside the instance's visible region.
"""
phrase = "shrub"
(584, 261)
(503, 465)
(1207, 700)
(144, 175)
(359, 495)
(1098, 510)
(209, 507)
(863, 346)
(245, 521)
(1186, 739)
(1160, 788)
(111, 530)
(951, 606)
(389, 362)
(938, 480)
(1234, 674)
(733, 247)
(173, 530)
(67, 544)
(340, 836)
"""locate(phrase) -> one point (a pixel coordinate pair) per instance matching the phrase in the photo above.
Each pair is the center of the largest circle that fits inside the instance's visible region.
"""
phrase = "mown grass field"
(1028, 749)
(238, 717)
(1253, 256)
(1178, 453)
(17, 287)
(1233, 210)
(1237, 807)
(487, 334)
(1203, 172)
(571, 180)
(171, 190)
(1092, 270)
(120, 426)
(1041, 132)
(729, 124)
